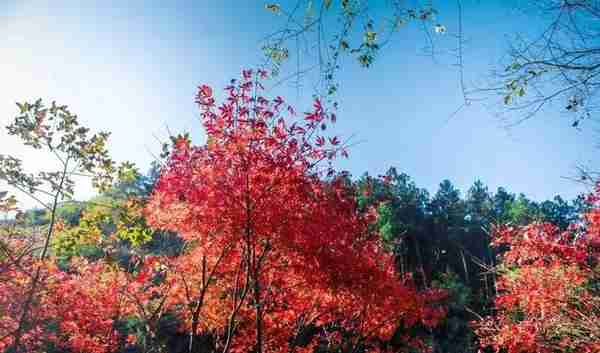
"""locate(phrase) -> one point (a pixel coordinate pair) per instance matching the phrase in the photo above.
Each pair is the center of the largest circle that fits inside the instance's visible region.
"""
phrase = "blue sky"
(131, 67)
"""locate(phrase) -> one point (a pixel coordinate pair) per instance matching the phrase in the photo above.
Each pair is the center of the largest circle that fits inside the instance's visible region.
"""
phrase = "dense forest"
(255, 240)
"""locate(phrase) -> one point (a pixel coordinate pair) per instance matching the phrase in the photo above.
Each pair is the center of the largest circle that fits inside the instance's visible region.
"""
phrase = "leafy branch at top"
(57, 131)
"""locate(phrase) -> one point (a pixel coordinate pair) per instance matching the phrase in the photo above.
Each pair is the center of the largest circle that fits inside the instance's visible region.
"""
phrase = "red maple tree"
(548, 281)
(282, 259)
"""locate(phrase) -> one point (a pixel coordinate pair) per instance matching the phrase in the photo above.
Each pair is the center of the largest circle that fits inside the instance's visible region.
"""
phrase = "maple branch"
(206, 279)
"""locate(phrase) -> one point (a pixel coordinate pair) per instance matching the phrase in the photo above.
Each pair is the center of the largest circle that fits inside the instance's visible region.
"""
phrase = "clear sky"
(131, 67)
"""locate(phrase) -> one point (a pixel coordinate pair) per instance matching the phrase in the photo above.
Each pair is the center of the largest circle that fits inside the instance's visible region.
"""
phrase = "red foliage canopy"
(281, 245)
(549, 297)
(83, 305)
